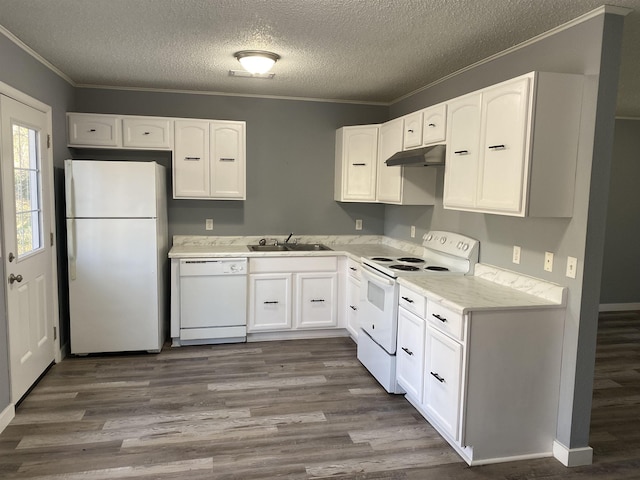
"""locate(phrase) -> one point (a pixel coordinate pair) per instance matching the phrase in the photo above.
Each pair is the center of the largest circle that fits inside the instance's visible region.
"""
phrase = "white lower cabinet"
(292, 294)
(316, 305)
(487, 380)
(353, 300)
(270, 302)
(442, 379)
(410, 353)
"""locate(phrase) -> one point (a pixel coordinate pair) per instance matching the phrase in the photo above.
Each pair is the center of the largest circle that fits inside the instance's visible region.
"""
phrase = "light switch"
(208, 224)
(516, 254)
(413, 231)
(358, 224)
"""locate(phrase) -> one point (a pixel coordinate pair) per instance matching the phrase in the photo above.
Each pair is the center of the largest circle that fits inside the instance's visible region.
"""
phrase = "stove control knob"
(443, 240)
(465, 247)
(459, 246)
(429, 238)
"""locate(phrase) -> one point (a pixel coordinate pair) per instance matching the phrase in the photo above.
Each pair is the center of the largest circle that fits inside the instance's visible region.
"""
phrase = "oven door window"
(375, 295)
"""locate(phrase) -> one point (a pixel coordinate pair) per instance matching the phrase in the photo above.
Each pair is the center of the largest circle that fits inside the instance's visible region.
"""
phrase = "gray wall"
(290, 159)
(24, 73)
(576, 50)
(621, 268)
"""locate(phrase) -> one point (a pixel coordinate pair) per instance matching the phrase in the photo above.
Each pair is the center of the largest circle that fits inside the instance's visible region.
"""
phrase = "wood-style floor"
(287, 410)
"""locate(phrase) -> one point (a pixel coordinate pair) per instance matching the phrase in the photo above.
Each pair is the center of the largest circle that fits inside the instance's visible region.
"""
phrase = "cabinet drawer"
(445, 320)
(354, 269)
(293, 264)
(412, 301)
(147, 133)
(94, 130)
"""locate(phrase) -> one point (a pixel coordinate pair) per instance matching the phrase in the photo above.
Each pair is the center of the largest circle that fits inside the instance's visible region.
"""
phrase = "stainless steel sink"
(306, 247)
(267, 248)
(289, 247)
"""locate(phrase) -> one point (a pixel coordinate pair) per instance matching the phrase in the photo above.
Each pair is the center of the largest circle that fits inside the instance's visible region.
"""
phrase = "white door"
(191, 159)
(316, 306)
(360, 154)
(227, 160)
(27, 246)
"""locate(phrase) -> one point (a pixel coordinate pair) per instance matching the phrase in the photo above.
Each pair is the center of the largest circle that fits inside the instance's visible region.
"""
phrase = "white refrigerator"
(117, 243)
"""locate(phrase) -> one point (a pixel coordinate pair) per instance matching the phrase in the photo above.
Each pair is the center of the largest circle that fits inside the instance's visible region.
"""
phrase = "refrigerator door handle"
(71, 248)
(68, 183)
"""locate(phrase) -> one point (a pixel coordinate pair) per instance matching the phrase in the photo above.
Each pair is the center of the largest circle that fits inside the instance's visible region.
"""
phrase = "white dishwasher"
(213, 300)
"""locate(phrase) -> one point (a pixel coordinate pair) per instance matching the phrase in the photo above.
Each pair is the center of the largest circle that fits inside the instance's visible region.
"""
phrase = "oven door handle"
(377, 277)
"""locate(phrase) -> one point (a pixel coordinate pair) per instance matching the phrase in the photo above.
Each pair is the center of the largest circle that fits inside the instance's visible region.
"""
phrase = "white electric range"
(445, 253)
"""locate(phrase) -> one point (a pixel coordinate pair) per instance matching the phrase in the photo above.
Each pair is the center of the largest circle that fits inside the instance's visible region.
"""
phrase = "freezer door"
(110, 189)
(113, 285)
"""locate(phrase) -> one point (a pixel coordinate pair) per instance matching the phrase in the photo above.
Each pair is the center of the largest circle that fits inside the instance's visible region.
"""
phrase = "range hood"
(418, 157)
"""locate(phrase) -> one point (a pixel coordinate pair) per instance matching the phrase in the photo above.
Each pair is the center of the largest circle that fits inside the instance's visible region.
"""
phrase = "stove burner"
(381, 259)
(405, 268)
(411, 260)
(436, 269)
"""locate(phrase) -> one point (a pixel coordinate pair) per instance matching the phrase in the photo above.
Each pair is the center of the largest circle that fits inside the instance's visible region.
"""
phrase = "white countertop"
(490, 288)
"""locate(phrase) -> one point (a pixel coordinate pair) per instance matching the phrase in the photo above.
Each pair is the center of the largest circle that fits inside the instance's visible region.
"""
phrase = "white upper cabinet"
(390, 178)
(227, 160)
(355, 167)
(434, 124)
(146, 132)
(413, 130)
(513, 147)
(88, 130)
(209, 160)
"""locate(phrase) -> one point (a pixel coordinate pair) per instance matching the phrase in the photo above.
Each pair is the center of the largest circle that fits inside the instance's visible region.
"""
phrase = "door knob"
(15, 278)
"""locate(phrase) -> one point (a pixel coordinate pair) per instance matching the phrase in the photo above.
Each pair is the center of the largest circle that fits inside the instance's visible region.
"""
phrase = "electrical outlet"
(413, 231)
(516, 254)
(572, 266)
(358, 224)
(548, 262)
(208, 224)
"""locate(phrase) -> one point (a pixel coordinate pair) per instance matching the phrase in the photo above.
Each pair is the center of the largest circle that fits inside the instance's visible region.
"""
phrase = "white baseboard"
(572, 457)
(6, 416)
(618, 307)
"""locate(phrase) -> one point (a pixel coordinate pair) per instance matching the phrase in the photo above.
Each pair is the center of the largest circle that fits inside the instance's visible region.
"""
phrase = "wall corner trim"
(6, 416)
(572, 457)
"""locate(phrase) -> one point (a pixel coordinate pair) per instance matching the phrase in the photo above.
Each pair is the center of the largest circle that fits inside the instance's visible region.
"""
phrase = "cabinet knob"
(407, 299)
(497, 147)
(359, 164)
(147, 133)
(437, 377)
(314, 300)
(461, 152)
(407, 351)
(442, 319)
(410, 130)
(192, 159)
(353, 308)
(271, 302)
(431, 125)
(92, 129)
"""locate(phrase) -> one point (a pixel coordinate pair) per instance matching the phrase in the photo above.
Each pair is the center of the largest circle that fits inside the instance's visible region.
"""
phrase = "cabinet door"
(461, 164)
(412, 130)
(316, 300)
(410, 353)
(505, 118)
(269, 302)
(442, 380)
(390, 178)
(360, 149)
(353, 299)
(434, 124)
(191, 159)
(149, 133)
(94, 130)
(228, 160)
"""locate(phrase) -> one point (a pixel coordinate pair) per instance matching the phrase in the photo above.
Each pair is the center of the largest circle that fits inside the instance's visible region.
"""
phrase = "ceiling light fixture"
(257, 61)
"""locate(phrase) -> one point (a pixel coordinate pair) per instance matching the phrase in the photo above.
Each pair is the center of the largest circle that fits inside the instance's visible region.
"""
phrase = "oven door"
(379, 308)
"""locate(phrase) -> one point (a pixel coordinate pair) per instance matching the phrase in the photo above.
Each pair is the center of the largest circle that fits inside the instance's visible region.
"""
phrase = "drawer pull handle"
(355, 309)
(437, 377)
(92, 130)
(314, 300)
(192, 158)
(497, 147)
(432, 125)
(407, 351)
(359, 164)
(461, 152)
(227, 159)
(407, 299)
(147, 133)
(353, 269)
(269, 302)
(410, 130)
(442, 319)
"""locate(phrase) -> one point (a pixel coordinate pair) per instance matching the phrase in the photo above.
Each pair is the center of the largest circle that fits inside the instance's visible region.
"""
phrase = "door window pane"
(26, 174)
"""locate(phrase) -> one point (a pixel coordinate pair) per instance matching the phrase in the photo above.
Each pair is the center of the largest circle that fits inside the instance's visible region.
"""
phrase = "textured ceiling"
(348, 50)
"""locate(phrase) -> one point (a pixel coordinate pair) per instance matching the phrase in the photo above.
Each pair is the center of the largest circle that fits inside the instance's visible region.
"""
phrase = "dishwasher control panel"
(213, 266)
